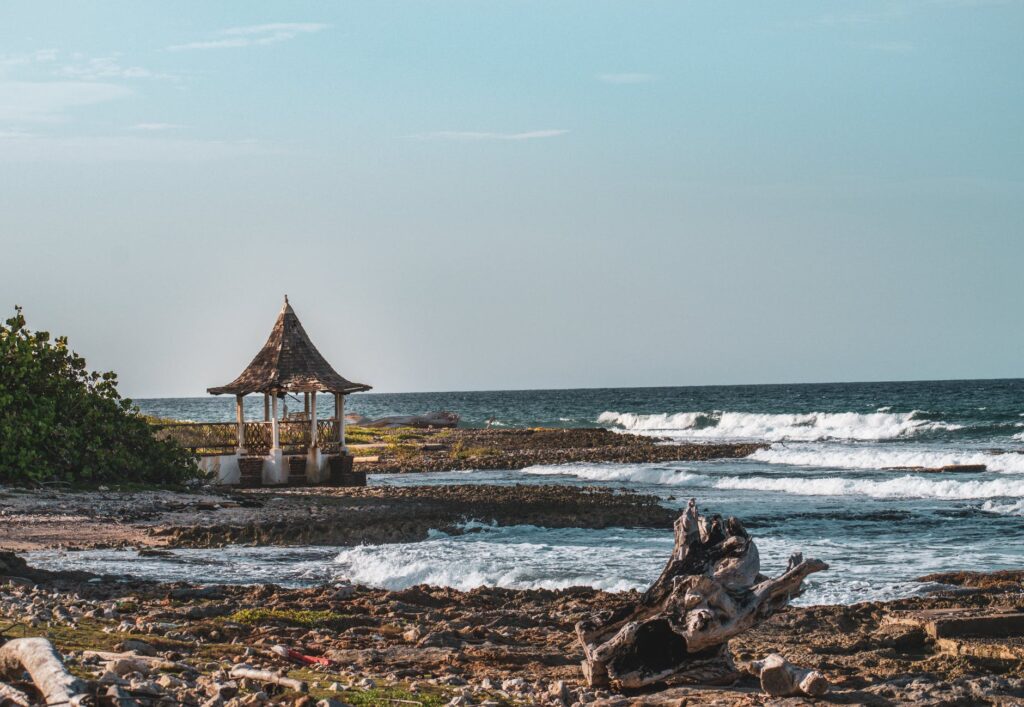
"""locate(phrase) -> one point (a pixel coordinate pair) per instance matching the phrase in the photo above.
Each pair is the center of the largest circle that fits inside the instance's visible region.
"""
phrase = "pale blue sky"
(475, 194)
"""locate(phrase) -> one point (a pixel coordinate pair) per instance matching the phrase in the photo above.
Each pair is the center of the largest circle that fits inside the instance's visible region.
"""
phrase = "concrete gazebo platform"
(301, 449)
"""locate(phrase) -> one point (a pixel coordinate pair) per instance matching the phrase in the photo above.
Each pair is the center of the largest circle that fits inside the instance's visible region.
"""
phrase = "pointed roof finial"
(286, 299)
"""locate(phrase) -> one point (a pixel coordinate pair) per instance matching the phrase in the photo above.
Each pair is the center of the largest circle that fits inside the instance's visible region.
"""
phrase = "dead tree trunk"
(710, 590)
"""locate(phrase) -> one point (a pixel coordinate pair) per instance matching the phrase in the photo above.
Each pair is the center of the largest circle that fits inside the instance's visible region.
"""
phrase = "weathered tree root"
(780, 678)
(10, 697)
(40, 660)
(710, 590)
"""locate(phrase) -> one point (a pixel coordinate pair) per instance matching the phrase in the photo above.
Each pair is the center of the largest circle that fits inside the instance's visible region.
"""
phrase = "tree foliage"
(61, 422)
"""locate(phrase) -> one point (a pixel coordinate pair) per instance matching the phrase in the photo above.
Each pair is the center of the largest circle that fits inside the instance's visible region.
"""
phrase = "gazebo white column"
(339, 415)
(240, 417)
(274, 437)
(312, 420)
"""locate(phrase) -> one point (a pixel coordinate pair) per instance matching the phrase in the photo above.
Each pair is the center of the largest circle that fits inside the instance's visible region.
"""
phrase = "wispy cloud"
(48, 101)
(40, 56)
(253, 35)
(104, 68)
(627, 78)
(155, 127)
(478, 136)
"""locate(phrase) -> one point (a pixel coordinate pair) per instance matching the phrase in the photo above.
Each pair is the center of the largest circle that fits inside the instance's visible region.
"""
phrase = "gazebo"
(289, 364)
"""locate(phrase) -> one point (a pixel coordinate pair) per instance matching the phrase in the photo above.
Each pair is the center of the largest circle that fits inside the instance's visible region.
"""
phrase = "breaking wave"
(1012, 508)
(516, 557)
(900, 487)
(776, 427)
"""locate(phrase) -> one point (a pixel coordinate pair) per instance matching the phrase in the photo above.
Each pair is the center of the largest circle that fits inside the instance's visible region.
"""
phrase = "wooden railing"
(327, 435)
(212, 438)
(258, 438)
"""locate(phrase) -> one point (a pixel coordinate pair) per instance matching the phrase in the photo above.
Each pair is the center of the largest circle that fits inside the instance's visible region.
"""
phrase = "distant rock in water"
(430, 419)
(948, 468)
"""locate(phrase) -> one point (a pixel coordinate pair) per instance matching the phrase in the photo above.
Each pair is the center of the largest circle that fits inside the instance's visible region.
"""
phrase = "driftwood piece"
(780, 678)
(40, 660)
(11, 697)
(239, 672)
(710, 590)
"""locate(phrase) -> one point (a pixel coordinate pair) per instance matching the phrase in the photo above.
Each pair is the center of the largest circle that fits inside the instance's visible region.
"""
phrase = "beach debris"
(43, 663)
(294, 655)
(780, 678)
(710, 590)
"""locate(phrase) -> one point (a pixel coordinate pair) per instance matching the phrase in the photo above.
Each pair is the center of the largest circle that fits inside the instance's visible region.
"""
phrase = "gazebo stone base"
(272, 469)
(342, 473)
(297, 470)
(250, 472)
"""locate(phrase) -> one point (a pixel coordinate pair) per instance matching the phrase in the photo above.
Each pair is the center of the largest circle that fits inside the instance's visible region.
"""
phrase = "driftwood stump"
(710, 590)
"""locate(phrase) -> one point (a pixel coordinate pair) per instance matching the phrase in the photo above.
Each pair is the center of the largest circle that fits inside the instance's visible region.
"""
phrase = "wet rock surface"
(462, 449)
(405, 514)
(179, 644)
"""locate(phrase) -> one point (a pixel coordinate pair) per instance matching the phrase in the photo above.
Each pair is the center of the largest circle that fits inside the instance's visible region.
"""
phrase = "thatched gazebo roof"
(289, 362)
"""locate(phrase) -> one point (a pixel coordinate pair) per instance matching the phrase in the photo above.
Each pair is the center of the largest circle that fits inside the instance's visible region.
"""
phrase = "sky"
(475, 194)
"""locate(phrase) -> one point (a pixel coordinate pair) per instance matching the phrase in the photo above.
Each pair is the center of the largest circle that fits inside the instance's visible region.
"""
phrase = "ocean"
(837, 482)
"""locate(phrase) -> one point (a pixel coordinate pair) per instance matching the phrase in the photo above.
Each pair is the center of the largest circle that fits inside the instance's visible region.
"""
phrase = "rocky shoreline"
(409, 450)
(343, 644)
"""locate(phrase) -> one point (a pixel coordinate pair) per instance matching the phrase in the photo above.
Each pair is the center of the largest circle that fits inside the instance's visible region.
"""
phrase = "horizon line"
(625, 387)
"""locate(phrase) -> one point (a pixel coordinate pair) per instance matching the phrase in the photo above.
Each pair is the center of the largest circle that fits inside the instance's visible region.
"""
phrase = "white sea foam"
(848, 456)
(615, 472)
(776, 426)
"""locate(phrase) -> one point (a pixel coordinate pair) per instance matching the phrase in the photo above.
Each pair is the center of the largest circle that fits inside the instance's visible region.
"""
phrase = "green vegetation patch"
(297, 617)
(61, 422)
(397, 693)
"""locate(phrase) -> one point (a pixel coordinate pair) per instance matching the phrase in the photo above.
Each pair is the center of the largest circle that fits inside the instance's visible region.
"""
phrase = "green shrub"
(61, 422)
